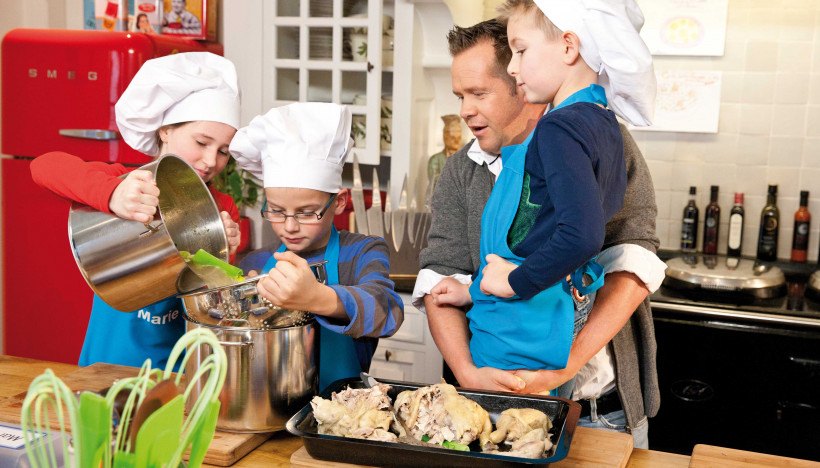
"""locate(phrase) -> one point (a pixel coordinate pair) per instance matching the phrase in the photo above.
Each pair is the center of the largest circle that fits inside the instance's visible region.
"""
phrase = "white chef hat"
(301, 145)
(612, 46)
(177, 88)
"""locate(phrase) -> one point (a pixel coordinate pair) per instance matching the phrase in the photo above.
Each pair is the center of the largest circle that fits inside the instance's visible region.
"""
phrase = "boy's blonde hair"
(528, 7)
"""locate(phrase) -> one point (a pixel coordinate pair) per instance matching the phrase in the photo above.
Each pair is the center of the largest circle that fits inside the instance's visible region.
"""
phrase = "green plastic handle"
(203, 258)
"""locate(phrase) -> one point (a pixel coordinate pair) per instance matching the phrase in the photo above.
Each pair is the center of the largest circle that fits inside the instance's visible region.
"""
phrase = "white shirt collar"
(478, 155)
(481, 157)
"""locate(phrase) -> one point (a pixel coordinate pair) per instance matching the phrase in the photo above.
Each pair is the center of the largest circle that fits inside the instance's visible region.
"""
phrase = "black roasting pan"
(563, 413)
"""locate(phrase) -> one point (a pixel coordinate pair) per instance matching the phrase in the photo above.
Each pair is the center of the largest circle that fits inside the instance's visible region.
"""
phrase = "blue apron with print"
(513, 333)
(128, 338)
(337, 352)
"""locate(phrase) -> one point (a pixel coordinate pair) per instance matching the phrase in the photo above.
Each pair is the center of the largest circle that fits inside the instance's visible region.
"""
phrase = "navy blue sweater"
(577, 179)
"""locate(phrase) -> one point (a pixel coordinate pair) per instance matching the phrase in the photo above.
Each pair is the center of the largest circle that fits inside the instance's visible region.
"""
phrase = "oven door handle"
(813, 365)
(737, 314)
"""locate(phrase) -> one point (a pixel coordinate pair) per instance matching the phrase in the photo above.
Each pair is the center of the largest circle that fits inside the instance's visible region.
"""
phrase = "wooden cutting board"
(590, 447)
(711, 456)
(225, 449)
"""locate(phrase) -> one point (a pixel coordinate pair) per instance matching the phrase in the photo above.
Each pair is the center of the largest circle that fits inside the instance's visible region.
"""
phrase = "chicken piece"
(362, 413)
(531, 445)
(514, 423)
(439, 412)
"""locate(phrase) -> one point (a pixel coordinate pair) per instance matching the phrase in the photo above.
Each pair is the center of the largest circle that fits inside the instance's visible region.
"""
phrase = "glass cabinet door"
(329, 51)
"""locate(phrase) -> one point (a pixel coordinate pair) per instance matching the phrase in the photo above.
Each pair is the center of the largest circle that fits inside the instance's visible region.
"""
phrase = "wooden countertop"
(16, 374)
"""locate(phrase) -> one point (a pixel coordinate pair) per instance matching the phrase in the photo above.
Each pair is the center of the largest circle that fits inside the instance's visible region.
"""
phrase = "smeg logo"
(54, 74)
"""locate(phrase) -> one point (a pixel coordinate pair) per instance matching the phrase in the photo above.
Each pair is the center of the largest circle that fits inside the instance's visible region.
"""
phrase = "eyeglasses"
(277, 216)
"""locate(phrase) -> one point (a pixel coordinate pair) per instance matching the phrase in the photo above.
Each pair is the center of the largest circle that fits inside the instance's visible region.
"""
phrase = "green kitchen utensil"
(158, 438)
(95, 428)
(213, 271)
(203, 433)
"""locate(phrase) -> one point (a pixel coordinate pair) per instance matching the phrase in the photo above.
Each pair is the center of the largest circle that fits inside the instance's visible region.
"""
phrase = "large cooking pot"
(130, 264)
(271, 374)
(272, 353)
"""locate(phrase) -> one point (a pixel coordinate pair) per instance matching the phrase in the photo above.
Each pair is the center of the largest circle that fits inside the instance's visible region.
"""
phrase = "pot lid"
(725, 273)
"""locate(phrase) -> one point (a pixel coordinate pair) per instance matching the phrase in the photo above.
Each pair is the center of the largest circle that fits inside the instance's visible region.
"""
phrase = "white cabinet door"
(410, 353)
(312, 54)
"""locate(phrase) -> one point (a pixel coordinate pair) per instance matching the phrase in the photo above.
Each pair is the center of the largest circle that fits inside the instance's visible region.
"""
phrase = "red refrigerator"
(59, 88)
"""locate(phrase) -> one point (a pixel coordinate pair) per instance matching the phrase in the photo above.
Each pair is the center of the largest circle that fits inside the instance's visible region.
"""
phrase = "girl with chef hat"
(567, 179)
(298, 151)
(186, 104)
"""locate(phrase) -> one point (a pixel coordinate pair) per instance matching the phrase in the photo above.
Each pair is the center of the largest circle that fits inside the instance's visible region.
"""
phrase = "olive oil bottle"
(769, 228)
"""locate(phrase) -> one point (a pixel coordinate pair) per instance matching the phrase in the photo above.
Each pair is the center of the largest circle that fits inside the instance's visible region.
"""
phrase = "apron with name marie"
(129, 338)
(513, 333)
(337, 352)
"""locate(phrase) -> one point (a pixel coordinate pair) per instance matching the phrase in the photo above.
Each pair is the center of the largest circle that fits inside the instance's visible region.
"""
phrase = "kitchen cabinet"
(410, 354)
(289, 50)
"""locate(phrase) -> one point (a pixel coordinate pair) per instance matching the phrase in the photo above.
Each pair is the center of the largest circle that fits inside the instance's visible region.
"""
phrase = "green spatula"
(213, 271)
(95, 428)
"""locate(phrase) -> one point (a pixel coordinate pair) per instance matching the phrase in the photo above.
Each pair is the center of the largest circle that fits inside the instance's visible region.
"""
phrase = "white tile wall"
(769, 131)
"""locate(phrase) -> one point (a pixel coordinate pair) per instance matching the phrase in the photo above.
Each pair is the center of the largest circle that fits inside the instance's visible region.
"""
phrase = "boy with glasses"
(298, 151)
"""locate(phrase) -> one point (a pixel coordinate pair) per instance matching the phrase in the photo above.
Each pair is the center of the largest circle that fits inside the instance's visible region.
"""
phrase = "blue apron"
(337, 352)
(514, 333)
(128, 338)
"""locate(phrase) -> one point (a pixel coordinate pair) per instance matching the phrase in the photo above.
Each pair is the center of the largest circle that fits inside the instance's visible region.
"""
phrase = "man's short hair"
(493, 31)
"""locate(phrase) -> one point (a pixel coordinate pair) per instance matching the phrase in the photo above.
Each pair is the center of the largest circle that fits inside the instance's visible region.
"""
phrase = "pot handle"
(236, 343)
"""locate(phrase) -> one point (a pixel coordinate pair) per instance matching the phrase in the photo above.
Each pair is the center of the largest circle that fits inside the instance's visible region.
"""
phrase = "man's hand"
(489, 378)
(496, 277)
(231, 230)
(136, 198)
(541, 381)
(291, 285)
(450, 291)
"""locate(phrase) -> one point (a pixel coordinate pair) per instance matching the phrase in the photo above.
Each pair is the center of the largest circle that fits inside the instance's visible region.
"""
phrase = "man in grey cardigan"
(616, 384)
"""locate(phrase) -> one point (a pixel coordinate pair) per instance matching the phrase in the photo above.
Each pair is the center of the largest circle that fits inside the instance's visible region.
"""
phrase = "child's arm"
(88, 182)
(370, 307)
(367, 297)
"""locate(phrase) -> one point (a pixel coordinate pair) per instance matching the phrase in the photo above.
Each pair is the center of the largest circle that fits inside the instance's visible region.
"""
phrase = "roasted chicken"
(441, 414)
(525, 430)
(361, 413)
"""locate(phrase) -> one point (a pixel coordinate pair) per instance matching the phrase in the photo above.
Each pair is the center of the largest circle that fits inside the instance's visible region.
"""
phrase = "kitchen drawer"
(401, 356)
(413, 328)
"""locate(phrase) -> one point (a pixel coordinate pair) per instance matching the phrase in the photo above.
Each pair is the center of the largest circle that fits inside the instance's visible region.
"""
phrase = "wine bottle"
(736, 218)
(802, 222)
(711, 223)
(769, 228)
(689, 230)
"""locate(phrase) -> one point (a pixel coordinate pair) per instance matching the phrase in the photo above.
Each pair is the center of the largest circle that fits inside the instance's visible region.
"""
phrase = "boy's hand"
(541, 381)
(136, 198)
(231, 230)
(496, 277)
(291, 285)
(450, 291)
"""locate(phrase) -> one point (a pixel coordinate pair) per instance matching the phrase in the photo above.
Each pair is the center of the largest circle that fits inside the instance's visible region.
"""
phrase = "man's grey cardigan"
(453, 247)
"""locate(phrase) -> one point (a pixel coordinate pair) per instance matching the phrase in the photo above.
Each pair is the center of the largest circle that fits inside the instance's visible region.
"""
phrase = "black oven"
(740, 376)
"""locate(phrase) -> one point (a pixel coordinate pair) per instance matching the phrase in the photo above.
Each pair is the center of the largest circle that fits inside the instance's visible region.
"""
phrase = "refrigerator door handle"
(89, 133)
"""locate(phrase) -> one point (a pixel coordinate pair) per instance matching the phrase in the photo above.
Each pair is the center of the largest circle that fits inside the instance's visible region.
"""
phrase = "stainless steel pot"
(271, 375)
(131, 265)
